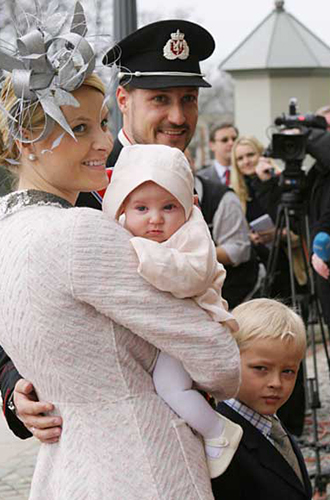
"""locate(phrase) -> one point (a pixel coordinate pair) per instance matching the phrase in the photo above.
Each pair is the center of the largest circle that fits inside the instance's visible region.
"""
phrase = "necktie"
(227, 176)
(283, 445)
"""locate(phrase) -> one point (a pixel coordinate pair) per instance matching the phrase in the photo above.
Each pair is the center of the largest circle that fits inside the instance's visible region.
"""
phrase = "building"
(279, 60)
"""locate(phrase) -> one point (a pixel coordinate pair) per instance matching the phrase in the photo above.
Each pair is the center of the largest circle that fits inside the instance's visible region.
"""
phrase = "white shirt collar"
(123, 139)
(221, 170)
(262, 422)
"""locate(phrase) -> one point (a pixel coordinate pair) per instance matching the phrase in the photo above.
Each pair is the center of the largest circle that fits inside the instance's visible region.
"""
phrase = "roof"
(280, 41)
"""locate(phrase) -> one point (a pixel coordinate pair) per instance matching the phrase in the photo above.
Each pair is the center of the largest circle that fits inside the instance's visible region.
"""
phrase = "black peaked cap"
(166, 47)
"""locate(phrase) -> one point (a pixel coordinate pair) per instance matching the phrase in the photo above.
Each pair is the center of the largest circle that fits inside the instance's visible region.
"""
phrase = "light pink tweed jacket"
(86, 331)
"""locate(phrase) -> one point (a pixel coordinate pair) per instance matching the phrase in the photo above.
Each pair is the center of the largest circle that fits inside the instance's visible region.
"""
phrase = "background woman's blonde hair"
(264, 318)
(237, 181)
(32, 118)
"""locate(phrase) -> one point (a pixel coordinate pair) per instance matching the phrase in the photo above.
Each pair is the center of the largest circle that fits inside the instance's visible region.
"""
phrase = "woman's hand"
(255, 238)
(320, 266)
(262, 237)
(31, 412)
(264, 169)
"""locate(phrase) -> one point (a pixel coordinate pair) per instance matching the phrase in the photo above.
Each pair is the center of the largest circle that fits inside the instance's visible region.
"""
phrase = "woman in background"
(246, 157)
(255, 180)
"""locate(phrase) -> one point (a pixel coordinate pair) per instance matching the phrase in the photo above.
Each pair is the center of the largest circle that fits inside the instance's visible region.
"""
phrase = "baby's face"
(153, 213)
(269, 372)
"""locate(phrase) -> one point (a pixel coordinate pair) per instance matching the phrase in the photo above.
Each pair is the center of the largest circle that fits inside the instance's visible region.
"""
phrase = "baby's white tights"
(174, 386)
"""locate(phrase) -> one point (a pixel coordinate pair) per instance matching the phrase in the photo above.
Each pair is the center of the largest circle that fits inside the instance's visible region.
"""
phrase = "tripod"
(293, 214)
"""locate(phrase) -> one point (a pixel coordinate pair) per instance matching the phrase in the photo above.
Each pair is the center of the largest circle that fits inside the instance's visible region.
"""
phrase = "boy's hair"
(261, 319)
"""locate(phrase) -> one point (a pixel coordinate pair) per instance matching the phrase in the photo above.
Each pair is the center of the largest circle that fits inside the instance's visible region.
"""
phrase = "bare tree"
(219, 99)
(99, 15)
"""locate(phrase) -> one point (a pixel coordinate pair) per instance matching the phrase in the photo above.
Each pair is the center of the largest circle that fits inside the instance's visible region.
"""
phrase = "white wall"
(260, 97)
(253, 105)
(312, 92)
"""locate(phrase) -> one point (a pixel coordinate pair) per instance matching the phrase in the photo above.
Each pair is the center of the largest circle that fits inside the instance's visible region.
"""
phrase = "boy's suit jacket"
(258, 471)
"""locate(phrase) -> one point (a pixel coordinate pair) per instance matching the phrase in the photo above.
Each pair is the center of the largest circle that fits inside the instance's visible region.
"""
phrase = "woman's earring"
(32, 157)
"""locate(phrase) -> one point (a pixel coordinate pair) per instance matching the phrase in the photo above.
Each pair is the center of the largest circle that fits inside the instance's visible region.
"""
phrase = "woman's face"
(73, 165)
(246, 159)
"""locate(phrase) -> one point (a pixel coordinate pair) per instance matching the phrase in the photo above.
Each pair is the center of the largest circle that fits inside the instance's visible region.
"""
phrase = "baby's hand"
(233, 325)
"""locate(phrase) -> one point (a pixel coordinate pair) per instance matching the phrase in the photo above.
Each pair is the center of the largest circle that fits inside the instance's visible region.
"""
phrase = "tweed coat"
(8, 373)
(85, 329)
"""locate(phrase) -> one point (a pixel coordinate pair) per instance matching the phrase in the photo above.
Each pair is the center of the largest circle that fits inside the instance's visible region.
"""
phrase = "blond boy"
(268, 464)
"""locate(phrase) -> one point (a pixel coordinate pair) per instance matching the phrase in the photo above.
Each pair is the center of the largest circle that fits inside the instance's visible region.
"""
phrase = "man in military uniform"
(159, 76)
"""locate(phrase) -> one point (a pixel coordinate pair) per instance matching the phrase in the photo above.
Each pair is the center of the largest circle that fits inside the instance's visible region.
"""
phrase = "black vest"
(240, 280)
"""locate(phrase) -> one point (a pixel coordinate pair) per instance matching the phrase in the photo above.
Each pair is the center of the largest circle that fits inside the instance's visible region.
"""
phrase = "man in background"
(222, 138)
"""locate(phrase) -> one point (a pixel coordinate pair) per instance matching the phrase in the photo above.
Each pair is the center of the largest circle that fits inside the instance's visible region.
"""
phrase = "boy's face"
(269, 372)
(153, 213)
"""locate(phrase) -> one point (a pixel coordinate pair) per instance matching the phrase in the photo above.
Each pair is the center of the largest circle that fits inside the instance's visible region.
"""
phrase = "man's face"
(223, 144)
(269, 372)
(159, 116)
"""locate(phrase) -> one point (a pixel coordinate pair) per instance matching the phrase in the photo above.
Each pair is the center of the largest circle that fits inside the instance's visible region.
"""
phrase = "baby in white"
(152, 192)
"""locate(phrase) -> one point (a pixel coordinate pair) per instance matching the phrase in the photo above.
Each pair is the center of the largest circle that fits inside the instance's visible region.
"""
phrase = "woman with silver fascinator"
(75, 317)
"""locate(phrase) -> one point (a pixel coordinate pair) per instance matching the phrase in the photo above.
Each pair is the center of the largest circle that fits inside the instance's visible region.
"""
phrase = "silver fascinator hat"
(45, 68)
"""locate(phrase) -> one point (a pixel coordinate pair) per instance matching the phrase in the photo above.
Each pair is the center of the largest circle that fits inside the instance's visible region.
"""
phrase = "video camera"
(289, 144)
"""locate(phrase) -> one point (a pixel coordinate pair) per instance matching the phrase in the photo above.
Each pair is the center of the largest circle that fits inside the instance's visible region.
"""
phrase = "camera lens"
(289, 147)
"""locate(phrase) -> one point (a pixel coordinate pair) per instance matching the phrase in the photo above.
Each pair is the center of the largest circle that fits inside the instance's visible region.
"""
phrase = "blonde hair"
(264, 318)
(32, 118)
(237, 181)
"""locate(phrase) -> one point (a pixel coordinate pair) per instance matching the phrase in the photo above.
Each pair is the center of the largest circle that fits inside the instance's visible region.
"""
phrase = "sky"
(231, 21)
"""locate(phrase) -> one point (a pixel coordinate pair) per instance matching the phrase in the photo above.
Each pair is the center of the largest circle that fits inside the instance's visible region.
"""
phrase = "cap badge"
(176, 47)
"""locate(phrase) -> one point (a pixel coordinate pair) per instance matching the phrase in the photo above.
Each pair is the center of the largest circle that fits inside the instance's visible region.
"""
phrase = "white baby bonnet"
(166, 166)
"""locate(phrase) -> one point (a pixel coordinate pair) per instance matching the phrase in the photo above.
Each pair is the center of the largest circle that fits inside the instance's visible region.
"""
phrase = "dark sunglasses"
(226, 139)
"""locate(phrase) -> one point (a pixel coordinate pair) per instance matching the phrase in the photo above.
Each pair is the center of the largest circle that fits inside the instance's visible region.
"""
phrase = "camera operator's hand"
(320, 266)
(264, 169)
